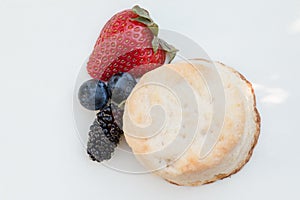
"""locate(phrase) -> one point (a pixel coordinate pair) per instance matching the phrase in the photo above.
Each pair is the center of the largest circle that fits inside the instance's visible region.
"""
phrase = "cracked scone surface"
(182, 131)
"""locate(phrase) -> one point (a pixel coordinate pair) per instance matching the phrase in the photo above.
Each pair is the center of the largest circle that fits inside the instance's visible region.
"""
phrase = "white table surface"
(42, 46)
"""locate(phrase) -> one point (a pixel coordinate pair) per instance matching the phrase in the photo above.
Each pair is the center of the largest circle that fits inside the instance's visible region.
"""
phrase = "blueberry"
(93, 94)
(120, 86)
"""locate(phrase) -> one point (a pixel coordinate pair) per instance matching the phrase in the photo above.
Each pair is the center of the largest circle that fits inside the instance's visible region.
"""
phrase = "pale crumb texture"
(172, 118)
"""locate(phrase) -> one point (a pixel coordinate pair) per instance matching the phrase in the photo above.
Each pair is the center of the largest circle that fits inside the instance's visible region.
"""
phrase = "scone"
(192, 122)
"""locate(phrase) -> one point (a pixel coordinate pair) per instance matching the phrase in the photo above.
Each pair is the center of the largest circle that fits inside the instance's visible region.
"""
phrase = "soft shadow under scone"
(238, 135)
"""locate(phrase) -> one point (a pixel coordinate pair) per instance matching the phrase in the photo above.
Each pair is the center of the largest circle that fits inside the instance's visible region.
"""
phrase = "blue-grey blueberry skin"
(120, 86)
(93, 94)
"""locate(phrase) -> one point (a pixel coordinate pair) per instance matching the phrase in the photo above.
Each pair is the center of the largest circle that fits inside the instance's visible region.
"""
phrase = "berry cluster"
(127, 43)
(99, 147)
(105, 132)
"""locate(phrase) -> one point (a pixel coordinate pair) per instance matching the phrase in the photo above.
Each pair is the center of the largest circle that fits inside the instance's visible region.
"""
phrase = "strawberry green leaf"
(171, 56)
(170, 49)
(154, 29)
(151, 25)
(141, 12)
(144, 18)
(155, 44)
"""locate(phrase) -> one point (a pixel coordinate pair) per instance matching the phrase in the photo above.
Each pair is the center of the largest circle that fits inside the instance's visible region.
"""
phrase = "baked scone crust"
(238, 137)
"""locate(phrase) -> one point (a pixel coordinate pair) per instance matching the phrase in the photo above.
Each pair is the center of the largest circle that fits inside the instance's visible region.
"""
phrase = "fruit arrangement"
(209, 135)
(127, 47)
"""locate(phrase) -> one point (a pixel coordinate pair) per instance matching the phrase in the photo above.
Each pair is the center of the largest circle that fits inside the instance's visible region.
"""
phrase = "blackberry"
(105, 133)
(108, 124)
(118, 115)
(99, 147)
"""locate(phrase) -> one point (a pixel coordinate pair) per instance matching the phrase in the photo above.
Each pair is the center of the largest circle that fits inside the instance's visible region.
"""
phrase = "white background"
(44, 43)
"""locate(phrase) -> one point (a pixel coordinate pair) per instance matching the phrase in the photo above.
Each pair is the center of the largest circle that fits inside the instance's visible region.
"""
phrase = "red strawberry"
(128, 42)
